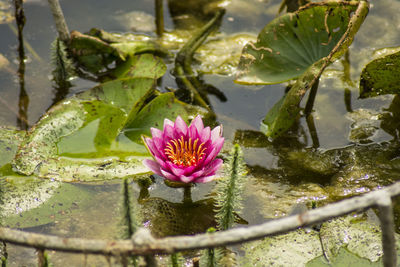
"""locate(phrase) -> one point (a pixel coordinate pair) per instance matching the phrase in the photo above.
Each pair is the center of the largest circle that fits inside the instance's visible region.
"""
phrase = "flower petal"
(208, 174)
(169, 176)
(186, 179)
(161, 162)
(156, 133)
(159, 144)
(196, 127)
(176, 170)
(205, 134)
(216, 133)
(152, 147)
(205, 179)
(212, 168)
(169, 133)
(180, 126)
(152, 165)
(168, 122)
(217, 148)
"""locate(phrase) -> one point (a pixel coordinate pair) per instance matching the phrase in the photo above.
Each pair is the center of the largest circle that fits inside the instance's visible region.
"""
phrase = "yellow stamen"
(185, 153)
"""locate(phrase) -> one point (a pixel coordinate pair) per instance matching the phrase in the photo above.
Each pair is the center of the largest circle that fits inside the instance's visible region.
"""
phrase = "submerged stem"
(183, 61)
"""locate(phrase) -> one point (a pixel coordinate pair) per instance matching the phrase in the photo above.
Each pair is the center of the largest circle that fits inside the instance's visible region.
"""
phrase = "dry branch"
(143, 243)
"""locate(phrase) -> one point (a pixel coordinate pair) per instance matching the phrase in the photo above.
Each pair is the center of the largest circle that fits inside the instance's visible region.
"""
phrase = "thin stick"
(59, 19)
(388, 235)
(143, 243)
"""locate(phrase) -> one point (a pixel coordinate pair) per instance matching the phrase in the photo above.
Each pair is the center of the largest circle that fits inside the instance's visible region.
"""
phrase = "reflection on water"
(22, 119)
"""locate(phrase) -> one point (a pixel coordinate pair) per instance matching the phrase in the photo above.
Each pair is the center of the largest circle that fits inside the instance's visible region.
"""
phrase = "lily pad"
(78, 139)
(144, 66)
(29, 201)
(9, 142)
(292, 249)
(291, 43)
(381, 76)
(153, 114)
(360, 238)
(356, 234)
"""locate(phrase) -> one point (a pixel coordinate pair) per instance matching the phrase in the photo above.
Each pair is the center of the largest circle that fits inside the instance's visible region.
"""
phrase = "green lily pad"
(344, 241)
(291, 43)
(292, 249)
(144, 66)
(381, 77)
(221, 55)
(9, 142)
(344, 258)
(29, 201)
(84, 138)
(153, 114)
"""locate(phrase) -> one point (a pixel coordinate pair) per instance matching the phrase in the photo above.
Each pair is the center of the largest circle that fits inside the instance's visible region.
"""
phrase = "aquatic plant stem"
(159, 17)
(183, 61)
(311, 98)
(59, 19)
(313, 130)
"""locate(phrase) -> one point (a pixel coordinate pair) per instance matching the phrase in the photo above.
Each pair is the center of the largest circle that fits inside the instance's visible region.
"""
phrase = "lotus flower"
(185, 154)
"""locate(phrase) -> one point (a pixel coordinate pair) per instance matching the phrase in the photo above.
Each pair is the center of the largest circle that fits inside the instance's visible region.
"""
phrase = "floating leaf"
(292, 249)
(29, 201)
(381, 77)
(290, 44)
(153, 114)
(356, 234)
(83, 137)
(95, 53)
(144, 66)
(9, 142)
(303, 247)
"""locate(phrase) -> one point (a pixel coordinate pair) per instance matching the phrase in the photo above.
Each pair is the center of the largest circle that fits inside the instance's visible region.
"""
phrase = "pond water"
(350, 151)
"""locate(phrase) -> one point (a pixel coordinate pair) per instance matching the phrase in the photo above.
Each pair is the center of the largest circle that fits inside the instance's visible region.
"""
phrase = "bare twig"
(388, 235)
(143, 244)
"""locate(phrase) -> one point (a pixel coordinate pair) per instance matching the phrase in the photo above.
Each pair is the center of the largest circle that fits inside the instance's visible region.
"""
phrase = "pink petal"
(197, 123)
(168, 122)
(208, 174)
(217, 148)
(152, 165)
(153, 149)
(216, 133)
(193, 133)
(169, 176)
(161, 162)
(205, 179)
(180, 126)
(186, 179)
(205, 134)
(156, 133)
(159, 144)
(177, 171)
(169, 133)
(213, 167)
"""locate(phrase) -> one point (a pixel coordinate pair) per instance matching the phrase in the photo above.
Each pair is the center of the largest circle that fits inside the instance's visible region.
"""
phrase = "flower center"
(185, 153)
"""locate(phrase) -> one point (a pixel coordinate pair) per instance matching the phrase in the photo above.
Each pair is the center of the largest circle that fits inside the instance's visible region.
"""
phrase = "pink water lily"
(185, 154)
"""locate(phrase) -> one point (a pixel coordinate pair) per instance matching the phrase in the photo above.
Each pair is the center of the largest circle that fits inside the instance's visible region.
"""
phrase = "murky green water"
(354, 149)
